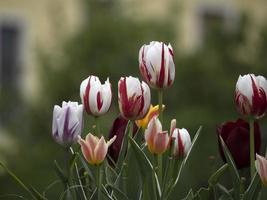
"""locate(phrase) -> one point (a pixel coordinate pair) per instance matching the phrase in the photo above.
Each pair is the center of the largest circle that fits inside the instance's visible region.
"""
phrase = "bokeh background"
(47, 47)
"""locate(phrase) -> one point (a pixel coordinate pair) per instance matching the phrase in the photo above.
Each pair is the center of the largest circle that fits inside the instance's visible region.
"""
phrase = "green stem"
(160, 101)
(155, 164)
(66, 160)
(160, 168)
(78, 176)
(99, 182)
(252, 148)
(165, 178)
(97, 126)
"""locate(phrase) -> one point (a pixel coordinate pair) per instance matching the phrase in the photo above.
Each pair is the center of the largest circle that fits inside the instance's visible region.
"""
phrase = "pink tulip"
(95, 97)
(251, 95)
(134, 98)
(156, 64)
(94, 149)
(156, 139)
(261, 167)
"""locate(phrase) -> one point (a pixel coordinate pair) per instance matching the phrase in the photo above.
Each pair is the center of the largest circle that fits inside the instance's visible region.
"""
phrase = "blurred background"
(47, 47)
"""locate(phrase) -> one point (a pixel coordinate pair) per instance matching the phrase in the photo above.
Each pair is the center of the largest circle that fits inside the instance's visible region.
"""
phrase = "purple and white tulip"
(156, 64)
(134, 98)
(67, 123)
(181, 141)
(95, 97)
(251, 95)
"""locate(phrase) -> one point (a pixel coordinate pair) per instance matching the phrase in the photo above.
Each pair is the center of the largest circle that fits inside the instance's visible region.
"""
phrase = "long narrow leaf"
(17, 180)
(233, 170)
(252, 188)
(117, 192)
(216, 176)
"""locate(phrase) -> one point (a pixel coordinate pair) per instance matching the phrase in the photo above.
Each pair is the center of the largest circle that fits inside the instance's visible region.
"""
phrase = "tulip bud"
(134, 98)
(261, 167)
(94, 149)
(156, 65)
(67, 123)
(95, 97)
(251, 95)
(153, 111)
(181, 143)
(118, 128)
(156, 139)
(236, 137)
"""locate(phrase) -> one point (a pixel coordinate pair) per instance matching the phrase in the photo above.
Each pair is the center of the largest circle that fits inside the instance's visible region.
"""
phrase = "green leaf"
(233, 170)
(37, 194)
(189, 196)
(204, 193)
(145, 167)
(172, 194)
(60, 173)
(117, 192)
(253, 188)
(224, 191)
(18, 181)
(214, 179)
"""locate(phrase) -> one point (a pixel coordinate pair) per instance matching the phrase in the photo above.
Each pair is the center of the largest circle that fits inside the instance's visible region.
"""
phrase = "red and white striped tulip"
(156, 139)
(94, 149)
(134, 98)
(261, 167)
(181, 141)
(156, 64)
(67, 123)
(251, 95)
(95, 97)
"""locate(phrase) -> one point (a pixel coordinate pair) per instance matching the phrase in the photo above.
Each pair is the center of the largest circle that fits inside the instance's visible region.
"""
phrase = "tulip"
(67, 123)
(134, 98)
(181, 141)
(156, 139)
(95, 97)
(94, 149)
(118, 128)
(236, 138)
(156, 64)
(153, 111)
(250, 95)
(261, 167)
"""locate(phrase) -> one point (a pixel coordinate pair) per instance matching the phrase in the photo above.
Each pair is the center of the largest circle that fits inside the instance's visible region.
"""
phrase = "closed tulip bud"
(153, 111)
(134, 98)
(156, 139)
(181, 142)
(118, 128)
(261, 167)
(251, 95)
(156, 64)
(67, 123)
(236, 137)
(94, 149)
(95, 97)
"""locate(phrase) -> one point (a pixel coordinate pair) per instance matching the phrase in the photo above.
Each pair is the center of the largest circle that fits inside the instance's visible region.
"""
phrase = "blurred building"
(193, 18)
(28, 27)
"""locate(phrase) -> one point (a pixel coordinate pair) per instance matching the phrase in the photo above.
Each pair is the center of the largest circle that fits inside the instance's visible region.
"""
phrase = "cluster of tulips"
(162, 152)
(140, 159)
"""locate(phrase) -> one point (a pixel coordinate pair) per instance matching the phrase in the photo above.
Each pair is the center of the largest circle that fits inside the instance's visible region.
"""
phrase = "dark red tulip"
(118, 128)
(236, 138)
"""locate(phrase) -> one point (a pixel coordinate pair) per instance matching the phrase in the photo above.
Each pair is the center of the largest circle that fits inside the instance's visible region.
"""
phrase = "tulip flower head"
(261, 167)
(94, 149)
(153, 111)
(134, 98)
(181, 141)
(156, 139)
(251, 95)
(236, 137)
(95, 97)
(118, 128)
(67, 123)
(156, 64)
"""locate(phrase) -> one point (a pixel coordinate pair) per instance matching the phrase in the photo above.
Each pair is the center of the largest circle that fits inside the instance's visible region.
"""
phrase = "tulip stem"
(252, 148)
(160, 99)
(97, 126)
(66, 159)
(155, 166)
(99, 182)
